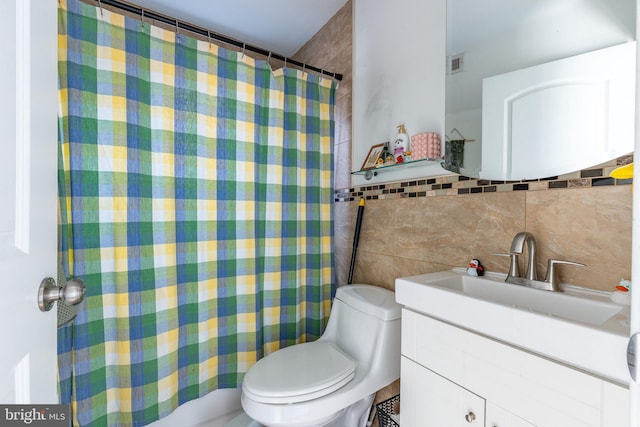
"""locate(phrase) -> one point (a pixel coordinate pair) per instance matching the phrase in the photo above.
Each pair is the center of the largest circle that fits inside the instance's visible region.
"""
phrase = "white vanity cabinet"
(451, 377)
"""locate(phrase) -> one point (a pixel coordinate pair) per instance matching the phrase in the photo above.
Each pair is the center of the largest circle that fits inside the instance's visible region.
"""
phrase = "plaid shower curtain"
(196, 203)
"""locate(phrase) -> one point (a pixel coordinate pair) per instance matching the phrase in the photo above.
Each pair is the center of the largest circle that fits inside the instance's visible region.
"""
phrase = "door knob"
(470, 417)
(632, 349)
(49, 292)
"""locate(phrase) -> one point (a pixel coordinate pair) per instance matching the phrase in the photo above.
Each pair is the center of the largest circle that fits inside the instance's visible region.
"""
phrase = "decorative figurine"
(475, 268)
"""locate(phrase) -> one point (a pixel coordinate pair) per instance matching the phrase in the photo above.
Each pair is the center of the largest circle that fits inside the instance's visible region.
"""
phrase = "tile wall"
(403, 235)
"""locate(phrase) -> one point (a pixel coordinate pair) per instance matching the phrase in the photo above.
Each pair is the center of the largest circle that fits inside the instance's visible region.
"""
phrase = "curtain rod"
(145, 13)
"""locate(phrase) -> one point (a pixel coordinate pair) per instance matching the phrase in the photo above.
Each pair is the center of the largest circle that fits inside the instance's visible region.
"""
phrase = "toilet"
(331, 381)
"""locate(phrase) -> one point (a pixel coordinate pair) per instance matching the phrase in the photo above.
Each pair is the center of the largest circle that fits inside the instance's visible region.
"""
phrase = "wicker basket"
(385, 412)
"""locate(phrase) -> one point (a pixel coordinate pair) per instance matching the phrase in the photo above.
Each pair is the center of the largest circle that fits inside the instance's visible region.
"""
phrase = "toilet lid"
(299, 373)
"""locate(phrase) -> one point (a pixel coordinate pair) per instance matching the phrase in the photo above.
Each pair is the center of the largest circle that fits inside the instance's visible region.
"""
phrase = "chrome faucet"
(531, 276)
(517, 247)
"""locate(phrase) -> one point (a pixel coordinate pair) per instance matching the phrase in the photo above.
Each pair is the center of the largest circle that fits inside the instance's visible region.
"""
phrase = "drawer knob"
(470, 417)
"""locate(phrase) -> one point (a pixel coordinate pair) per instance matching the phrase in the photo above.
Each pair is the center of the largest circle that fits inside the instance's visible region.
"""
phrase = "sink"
(567, 305)
(579, 327)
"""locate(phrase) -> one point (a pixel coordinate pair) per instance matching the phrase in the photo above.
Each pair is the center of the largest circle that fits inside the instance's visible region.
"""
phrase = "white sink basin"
(579, 327)
(562, 304)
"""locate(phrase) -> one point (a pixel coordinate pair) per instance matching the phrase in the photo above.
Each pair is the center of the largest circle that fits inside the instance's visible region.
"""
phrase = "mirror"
(494, 37)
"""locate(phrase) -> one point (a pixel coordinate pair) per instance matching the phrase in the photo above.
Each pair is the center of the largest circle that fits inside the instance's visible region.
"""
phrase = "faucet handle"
(552, 276)
(514, 269)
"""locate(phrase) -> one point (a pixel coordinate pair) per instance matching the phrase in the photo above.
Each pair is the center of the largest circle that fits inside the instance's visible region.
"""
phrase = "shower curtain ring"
(101, 11)
(177, 27)
(269, 59)
(244, 45)
(209, 37)
(285, 62)
(304, 68)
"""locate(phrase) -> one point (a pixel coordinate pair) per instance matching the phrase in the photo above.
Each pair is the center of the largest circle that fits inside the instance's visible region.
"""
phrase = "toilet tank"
(372, 300)
(365, 324)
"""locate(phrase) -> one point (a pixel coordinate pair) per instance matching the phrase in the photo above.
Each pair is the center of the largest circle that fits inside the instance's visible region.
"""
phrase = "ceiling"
(472, 22)
(280, 26)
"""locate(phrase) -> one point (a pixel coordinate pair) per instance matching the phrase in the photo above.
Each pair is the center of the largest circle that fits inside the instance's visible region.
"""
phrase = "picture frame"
(372, 157)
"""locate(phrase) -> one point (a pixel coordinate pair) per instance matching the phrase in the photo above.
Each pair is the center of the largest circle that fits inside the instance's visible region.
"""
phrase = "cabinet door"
(429, 400)
(499, 417)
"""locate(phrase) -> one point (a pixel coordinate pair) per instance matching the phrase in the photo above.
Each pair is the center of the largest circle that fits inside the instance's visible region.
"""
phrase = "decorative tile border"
(454, 185)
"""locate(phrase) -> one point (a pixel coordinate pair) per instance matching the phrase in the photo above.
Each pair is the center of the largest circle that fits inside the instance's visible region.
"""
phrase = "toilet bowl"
(332, 381)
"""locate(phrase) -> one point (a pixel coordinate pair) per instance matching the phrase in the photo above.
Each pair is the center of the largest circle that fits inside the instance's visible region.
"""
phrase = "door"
(28, 189)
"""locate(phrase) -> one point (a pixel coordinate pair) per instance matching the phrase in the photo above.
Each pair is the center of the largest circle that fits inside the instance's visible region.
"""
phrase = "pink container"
(426, 145)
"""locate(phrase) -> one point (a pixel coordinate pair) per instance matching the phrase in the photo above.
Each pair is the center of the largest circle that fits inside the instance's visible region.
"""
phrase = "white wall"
(398, 75)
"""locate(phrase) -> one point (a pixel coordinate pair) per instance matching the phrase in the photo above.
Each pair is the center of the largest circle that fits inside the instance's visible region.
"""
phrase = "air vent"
(456, 63)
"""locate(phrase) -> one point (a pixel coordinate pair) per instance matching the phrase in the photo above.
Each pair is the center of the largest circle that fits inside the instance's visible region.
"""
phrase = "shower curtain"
(196, 201)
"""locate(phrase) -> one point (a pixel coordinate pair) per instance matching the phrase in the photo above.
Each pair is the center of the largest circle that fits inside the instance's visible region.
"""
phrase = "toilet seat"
(299, 373)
